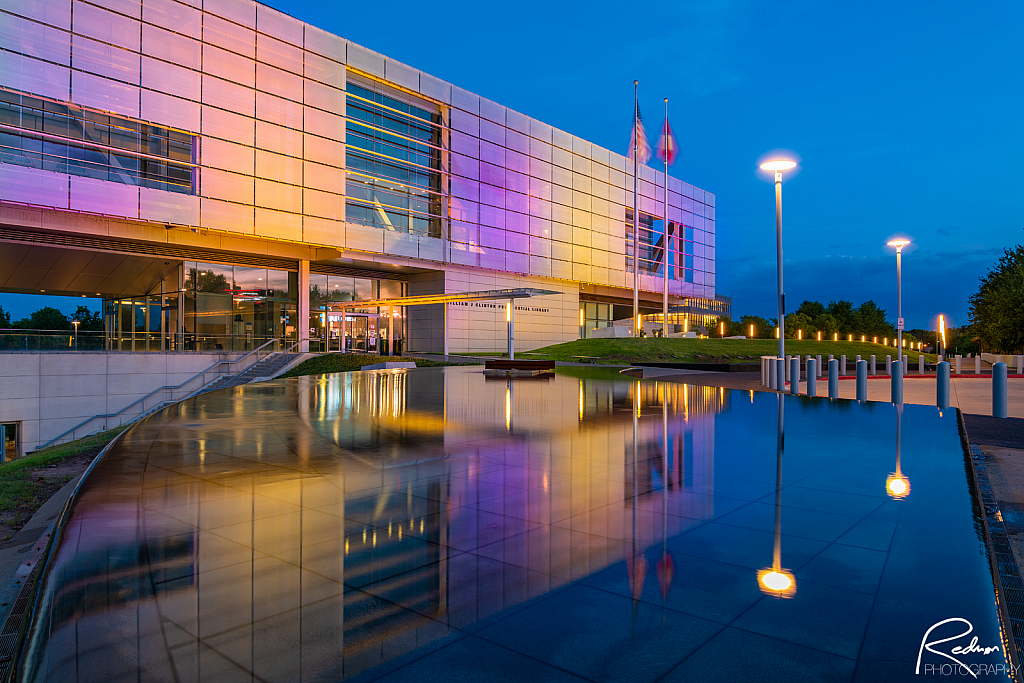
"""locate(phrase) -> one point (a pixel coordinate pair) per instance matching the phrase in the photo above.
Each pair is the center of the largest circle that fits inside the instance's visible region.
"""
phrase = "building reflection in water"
(319, 527)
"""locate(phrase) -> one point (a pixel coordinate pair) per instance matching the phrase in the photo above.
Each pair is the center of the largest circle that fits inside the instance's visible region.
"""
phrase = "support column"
(445, 304)
(343, 344)
(302, 325)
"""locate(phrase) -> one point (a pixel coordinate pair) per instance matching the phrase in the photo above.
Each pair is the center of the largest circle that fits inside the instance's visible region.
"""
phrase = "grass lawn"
(26, 483)
(652, 349)
(347, 362)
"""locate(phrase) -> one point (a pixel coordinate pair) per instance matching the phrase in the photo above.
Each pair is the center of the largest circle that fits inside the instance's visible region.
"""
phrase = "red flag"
(667, 147)
(639, 140)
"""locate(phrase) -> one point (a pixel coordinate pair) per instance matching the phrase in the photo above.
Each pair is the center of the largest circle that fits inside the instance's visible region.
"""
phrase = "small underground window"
(9, 441)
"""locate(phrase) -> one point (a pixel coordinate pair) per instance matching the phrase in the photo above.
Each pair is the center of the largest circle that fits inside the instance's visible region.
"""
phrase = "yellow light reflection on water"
(777, 581)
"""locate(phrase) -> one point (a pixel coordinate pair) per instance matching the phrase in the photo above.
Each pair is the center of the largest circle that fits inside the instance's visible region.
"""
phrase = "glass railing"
(61, 340)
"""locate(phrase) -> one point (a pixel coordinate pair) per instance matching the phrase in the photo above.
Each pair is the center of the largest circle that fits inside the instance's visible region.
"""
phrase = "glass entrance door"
(361, 332)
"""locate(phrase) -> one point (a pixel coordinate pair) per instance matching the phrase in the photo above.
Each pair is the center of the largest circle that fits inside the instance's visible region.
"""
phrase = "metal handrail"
(239, 374)
(172, 389)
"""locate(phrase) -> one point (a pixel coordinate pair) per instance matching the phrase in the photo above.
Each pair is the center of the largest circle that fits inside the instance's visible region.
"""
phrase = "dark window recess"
(65, 138)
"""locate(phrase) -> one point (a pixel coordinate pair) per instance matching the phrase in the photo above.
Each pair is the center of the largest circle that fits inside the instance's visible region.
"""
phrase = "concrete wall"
(51, 392)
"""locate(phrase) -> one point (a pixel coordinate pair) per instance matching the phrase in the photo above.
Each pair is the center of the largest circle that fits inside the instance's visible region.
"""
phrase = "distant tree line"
(838, 317)
(49, 318)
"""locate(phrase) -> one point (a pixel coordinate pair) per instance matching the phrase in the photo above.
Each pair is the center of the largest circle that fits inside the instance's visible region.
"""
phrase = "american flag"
(639, 140)
(667, 147)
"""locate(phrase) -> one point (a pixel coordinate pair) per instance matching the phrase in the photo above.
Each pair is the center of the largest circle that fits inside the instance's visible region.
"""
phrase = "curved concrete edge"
(23, 584)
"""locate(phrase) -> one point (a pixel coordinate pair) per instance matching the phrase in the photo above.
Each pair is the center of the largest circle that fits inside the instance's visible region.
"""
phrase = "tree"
(88, 320)
(996, 310)
(763, 328)
(799, 321)
(812, 309)
(844, 314)
(207, 281)
(46, 318)
(5, 318)
(871, 321)
(827, 324)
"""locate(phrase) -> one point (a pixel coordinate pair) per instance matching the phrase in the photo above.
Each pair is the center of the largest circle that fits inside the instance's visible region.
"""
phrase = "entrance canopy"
(510, 294)
(489, 295)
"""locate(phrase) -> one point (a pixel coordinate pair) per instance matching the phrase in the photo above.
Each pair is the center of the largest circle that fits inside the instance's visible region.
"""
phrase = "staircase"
(267, 367)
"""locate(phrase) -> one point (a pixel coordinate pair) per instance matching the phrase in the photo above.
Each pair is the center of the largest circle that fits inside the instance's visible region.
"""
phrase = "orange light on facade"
(851, 338)
(799, 334)
(876, 340)
(835, 336)
(863, 338)
(751, 331)
(819, 335)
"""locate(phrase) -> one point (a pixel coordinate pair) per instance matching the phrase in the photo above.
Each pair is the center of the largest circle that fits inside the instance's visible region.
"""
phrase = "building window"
(595, 316)
(394, 179)
(8, 441)
(65, 138)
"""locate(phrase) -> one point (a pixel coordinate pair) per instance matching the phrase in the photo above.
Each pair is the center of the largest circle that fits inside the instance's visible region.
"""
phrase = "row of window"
(394, 162)
(63, 138)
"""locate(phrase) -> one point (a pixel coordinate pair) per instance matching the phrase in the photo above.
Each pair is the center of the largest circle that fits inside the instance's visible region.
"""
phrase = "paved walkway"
(969, 394)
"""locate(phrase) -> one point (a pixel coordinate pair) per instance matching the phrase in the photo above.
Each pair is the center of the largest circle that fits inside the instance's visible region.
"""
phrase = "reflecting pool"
(436, 525)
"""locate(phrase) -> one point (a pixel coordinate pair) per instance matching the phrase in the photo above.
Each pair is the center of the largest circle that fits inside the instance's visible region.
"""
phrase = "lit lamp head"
(899, 244)
(76, 323)
(776, 581)
(778, 165)
(897, 485)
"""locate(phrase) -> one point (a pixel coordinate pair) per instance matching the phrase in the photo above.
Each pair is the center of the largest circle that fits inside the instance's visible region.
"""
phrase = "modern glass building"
(221, 173)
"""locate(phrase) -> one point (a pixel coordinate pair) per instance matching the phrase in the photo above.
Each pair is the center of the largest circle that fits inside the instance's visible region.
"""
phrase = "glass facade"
(65, 138)
(651, 238)
(366, 329)
(394, 179)
(594, 316)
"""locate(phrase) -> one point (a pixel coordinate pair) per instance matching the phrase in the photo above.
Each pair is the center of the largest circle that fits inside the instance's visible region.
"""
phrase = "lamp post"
(76, 323)
(899, 244)
(778, 166)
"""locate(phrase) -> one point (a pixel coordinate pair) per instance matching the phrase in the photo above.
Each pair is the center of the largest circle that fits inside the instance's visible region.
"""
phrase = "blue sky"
(906, 118)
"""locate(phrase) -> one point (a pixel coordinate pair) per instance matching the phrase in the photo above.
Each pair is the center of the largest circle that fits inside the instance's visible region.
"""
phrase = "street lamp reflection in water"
(897, 485)
(775, 580)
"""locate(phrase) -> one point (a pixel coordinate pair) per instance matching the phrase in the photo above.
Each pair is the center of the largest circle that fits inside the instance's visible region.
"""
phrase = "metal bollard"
(958, 359)
(786, 366)
(833, 378)
(906, 365)
(862, 380)
(888, 365)
(977, 364)
(818, 364)
(999, 390)
(857, 360)
(812, 377)
(872, 365)
(897, 382)
(842, 364)
(1020, 365)
(920, 363)
(780, 374)
(794, 375)
(942, 385)
(773, 382)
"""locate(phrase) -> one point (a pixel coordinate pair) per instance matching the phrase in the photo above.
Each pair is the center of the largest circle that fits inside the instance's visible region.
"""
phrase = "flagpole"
(667, 239)
(636, 216)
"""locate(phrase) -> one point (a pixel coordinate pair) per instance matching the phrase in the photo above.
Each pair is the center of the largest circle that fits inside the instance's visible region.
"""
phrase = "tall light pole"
(899, 244)
(76, 324)
(779, 165)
